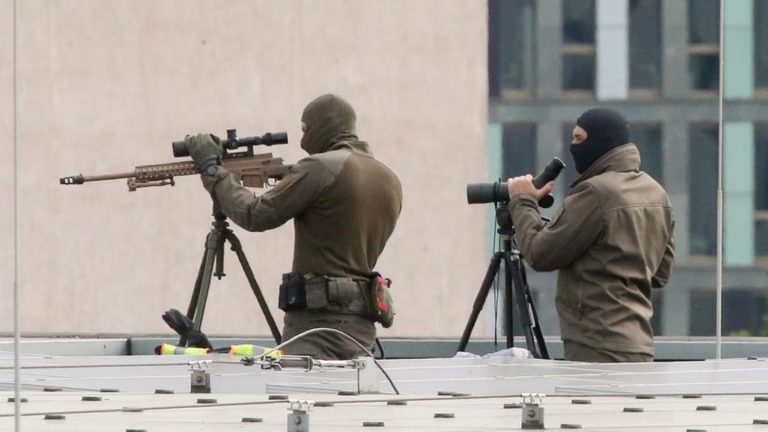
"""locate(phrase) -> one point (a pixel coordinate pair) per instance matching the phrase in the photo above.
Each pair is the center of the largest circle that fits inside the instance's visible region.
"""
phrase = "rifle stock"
(254, 170)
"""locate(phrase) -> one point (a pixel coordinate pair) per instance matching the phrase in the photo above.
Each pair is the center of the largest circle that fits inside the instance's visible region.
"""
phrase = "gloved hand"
(205, 150)
(185, 327)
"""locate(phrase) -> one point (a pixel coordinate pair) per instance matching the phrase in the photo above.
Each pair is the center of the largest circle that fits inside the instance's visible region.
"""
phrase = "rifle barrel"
(80, 179)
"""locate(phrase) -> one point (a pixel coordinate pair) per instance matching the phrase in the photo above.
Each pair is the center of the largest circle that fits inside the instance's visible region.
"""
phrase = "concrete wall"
(105, 85)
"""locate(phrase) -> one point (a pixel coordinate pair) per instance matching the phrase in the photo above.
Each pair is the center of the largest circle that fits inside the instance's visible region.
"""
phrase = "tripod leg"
(533, 337)
(509, 300)
(490, 275)
(195, 295)
(236, 246)
(536, 327)
(211, 244)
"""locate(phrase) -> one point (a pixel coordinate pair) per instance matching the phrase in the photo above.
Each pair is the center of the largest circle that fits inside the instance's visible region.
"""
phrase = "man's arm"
(661, 277)
(571, 232)
(291, 196)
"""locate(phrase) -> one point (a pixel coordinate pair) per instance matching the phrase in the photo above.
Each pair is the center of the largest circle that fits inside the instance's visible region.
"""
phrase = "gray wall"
(107, 85)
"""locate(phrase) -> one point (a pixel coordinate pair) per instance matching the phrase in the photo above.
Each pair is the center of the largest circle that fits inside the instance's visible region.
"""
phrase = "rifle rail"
(252, 170)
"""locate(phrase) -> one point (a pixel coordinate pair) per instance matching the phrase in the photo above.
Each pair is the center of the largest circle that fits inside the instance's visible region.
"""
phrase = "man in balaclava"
(612, 242)
(603, 130)
(344, 205)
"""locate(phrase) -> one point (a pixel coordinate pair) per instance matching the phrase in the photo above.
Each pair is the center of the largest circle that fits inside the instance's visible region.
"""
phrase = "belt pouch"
(317, 293)
(381, 307)
(293, 294)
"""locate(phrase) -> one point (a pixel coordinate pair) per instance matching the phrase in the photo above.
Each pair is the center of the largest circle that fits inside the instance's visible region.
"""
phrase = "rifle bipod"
(516, 290)
(214, 255)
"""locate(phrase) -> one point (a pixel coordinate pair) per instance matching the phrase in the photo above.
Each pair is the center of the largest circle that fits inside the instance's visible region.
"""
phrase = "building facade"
(657, 62)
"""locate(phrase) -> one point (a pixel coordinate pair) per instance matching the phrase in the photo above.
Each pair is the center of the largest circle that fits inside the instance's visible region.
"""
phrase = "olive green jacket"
(611, 242)
(344, 204)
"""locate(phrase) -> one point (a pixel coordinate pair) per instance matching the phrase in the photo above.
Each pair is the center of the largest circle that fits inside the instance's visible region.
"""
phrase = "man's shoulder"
(627, 187)
(324, 159)
(323, 164)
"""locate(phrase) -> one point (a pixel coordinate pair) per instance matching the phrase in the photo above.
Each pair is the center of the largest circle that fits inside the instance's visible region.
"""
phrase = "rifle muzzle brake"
(76, 179)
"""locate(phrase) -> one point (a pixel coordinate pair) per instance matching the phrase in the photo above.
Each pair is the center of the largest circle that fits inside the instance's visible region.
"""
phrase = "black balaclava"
(329, 119)
(606, 129)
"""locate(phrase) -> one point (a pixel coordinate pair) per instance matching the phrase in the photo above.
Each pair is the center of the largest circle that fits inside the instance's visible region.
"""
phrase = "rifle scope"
(481, 193)
(233, 142)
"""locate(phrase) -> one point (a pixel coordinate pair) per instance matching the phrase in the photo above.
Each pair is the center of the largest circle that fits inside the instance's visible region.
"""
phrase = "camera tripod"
(515, 287)
(214, 255)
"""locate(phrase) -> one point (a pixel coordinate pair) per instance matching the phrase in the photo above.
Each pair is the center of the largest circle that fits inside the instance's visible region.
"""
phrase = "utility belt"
(368, 297)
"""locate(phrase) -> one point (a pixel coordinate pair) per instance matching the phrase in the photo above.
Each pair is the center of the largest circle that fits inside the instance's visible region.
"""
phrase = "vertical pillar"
(677, 309)
(739, 137)
(612, 49)
(674, 23)
(739, 74)
(549, 40)
(739, 193)
(495, 141)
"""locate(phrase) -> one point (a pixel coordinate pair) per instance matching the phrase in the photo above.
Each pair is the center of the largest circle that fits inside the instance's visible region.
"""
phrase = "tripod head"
(504, 225)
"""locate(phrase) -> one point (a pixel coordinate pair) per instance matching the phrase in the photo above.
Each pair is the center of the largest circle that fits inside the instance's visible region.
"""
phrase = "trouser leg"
(325, 345)
(579, 352)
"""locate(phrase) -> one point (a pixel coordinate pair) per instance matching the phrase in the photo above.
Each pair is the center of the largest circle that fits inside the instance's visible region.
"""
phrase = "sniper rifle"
(252, 169)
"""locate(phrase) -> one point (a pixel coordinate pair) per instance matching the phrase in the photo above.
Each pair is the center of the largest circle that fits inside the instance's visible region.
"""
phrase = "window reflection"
(644, 47)
(579, 22)
(702, 188)
(518, 149)
(761, 46)
(511, 47)
(647, 138)
(703, 45)
(761, 192)
(579, 47)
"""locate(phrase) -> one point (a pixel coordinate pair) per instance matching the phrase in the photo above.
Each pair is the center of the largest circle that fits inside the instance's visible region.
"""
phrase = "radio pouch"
(381, 307)
(293, 292)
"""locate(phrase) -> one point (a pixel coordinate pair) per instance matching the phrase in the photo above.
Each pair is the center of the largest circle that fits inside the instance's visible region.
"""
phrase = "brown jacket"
(343, 201)
(612, 242)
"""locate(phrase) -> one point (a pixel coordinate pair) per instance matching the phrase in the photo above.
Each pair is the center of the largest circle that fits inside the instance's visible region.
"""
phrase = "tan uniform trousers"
(324, 345)
(578, 352)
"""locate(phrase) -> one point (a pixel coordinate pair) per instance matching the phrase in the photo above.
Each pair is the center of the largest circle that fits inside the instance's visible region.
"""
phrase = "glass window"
(579, 47)
(644, 47)
(743, 312)
(704, 71)
(761, 45)
(647, 138)
(702, 189)
(703, 45)
(579, 22)
(518, 149)
(703, 22)
(579, 72)
(761, 191)
(511, 47)
(761, 174)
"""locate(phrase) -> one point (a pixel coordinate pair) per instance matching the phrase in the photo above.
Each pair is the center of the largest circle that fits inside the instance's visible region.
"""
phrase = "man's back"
(345, 229)
(604, 296)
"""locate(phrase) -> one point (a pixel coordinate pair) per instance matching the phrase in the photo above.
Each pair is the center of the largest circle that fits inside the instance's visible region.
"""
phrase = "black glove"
(206, 152)
(185, 328)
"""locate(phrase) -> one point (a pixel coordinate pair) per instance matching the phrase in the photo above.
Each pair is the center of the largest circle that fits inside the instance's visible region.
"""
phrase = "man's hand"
(524, 185)
(205, 151)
